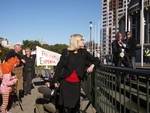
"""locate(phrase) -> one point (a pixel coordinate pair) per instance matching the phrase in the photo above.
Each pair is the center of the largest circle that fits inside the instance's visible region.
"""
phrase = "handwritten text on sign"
(46, 57)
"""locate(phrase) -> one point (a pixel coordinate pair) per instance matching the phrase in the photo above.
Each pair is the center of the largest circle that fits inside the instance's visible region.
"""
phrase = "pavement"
(144, 66)
(28, 102)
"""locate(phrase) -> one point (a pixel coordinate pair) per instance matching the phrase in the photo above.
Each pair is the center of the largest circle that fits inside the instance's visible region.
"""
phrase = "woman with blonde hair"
(75, 58)
(28, 70)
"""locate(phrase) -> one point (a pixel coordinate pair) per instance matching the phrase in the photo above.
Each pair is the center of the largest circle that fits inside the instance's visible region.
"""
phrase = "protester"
(74, 71)
(28, 70)
(15, 53)
(147, 55)
(7, 81)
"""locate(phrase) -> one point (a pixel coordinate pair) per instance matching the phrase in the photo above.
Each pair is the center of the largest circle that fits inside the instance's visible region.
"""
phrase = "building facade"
(3, 41)
(134, 24)
(112, 11)
(134, 21)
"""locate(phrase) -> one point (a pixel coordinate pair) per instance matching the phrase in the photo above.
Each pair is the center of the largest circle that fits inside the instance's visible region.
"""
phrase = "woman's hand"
(90, 69)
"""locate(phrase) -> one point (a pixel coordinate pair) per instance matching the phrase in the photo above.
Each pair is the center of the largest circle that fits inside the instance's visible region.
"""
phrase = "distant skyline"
(52, 21)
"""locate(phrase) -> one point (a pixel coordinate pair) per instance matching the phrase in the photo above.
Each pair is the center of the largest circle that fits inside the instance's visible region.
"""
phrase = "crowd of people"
(9, 79)
(62, 92)
(64, 96)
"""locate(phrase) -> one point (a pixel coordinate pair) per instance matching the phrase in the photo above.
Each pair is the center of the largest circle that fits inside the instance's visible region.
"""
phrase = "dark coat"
(11, 54)
(29, 66)
(76, 62)
(117, 60)
(131, 46)
(70, 91)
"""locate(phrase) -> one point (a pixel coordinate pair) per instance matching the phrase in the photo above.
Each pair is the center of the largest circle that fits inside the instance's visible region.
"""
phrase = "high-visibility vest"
(147, 53)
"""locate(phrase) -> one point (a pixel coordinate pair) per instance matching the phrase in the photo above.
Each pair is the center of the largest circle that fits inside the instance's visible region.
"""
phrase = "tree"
(32, 45)
(58, 47)
(3, 53)
(46, 46)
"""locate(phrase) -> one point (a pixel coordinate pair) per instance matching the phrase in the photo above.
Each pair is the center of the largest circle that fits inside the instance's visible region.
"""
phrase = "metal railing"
(109, 90)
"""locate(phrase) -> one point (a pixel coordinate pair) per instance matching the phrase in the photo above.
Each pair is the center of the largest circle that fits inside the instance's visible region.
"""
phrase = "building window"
(104, 14)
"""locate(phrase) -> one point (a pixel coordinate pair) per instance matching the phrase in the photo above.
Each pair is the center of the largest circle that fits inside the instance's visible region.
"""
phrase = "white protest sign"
(46, 57)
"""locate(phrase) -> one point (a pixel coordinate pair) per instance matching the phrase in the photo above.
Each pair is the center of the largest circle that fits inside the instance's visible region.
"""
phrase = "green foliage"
(46, 46)
(32, 45)
(58, 47)
(3, 53)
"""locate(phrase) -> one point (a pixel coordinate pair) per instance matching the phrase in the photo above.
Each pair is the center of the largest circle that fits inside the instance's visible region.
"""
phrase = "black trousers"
(125, 61)
(147, 59)
(27, 83)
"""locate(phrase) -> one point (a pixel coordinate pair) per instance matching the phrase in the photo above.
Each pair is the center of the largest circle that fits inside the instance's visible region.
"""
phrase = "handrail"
(144, 73)
(108, 90)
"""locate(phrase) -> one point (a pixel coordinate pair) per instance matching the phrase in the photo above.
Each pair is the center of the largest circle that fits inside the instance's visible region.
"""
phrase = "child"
(7, 80)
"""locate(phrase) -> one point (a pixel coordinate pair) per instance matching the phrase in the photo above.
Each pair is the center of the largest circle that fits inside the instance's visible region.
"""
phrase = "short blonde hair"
(74, 39)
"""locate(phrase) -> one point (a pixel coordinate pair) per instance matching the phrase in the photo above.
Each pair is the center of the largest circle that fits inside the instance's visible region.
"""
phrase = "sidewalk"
(28, 102)
(138, 65)
(145, 66)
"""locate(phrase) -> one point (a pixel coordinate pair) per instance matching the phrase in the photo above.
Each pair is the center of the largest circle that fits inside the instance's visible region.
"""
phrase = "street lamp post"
(90, 37)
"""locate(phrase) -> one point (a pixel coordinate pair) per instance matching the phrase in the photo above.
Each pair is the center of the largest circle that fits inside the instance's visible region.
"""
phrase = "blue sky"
(52, 21)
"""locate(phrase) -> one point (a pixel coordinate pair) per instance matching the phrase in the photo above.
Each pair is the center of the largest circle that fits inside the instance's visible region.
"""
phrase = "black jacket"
(131, 46)
(29, 66)
(76, 62)
(116, 50)
(11, 54)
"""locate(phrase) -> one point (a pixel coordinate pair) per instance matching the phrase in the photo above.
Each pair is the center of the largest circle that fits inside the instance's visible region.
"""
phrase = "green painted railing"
(109, 92)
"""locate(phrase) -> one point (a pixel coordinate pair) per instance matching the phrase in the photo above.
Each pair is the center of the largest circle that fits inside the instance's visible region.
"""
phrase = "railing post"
(138, 101)
(109, 91)
(147, 94)
(130, 94)
(119, 93)
(124, 87)
(116, 93)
